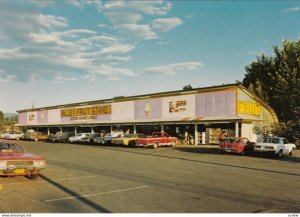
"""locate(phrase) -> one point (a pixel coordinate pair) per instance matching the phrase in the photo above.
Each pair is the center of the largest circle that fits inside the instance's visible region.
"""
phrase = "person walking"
(186, 138)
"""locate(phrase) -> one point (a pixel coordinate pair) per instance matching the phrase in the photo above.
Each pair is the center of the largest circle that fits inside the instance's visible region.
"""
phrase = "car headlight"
(39, 163)
(2, 164)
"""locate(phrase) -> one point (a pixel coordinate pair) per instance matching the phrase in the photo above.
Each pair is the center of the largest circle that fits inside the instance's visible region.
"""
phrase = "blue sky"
(66, 51)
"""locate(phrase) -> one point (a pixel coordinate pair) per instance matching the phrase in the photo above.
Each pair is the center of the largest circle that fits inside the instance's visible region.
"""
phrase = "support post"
(134, 129)
(196, 134)
(236, 129)
(162, 127)
(48, 130)
(75, 131)
(203, 138)
(92, 129)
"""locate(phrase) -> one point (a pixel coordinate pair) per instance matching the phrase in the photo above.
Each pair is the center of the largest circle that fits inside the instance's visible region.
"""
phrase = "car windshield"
(229, 140)
(79, 134)
(10, 147)
(272, 140)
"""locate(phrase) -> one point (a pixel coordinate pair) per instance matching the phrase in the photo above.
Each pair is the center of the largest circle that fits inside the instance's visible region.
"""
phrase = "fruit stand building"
(202, 112)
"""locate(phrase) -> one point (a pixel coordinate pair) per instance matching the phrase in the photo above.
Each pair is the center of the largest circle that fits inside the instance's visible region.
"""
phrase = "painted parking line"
(34, 182)
(96, 194)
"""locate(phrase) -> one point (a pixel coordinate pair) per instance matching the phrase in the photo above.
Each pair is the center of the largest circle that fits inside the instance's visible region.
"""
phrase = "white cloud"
(49, 22)
(171, 69)
(137, 32)
(148, 7)
(117, 48)
(44, 46)
(127, 17)
(123, 17)
(165, 24)
(74, 33)
(293, 9)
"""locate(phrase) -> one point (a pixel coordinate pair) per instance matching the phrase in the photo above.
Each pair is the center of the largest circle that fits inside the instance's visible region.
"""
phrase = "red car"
(157, 139)
(14, 161)
(238, 145)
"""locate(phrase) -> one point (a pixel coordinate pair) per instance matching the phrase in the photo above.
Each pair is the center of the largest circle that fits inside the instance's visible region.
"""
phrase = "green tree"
(187, 87)
(276, 80)
(1, 121)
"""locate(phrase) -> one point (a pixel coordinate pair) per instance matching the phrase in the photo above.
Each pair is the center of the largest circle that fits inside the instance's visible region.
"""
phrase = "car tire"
(291, 152)
(279, 154)
(173, 143)
(32, 176)
(155, 145)
(131, 144)
(36, 139)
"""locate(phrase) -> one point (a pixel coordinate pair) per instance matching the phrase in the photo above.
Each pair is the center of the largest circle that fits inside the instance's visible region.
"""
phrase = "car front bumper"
(20, 171)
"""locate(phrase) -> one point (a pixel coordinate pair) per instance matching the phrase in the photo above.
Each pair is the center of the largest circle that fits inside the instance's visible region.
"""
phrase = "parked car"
(127, 139)
(98, 139)
(157, 139)
(15, 161)
(107, 138)
(27, 135)
(77, 137)
(89, 138)
(277, 146)
(64, 137)
(13, 135)
(53, 137)
(39, 136)
(4, 133)
(239, 145)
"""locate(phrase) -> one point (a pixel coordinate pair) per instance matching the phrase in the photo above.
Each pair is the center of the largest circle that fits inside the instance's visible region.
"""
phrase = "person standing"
(186, 138)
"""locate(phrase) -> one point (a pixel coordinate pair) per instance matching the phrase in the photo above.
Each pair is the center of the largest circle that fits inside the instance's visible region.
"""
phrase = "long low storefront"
(203, 113)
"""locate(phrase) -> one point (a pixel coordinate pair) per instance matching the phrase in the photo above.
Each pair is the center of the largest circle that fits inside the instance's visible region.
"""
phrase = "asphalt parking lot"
(110, 179)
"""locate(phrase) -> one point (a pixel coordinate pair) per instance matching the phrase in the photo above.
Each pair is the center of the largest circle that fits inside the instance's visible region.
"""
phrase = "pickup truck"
(157, 139)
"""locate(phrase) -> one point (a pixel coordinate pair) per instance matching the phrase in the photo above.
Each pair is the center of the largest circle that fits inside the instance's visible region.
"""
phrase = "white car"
(4, 133)
(78, 137)
(13, 135)
(275, 145)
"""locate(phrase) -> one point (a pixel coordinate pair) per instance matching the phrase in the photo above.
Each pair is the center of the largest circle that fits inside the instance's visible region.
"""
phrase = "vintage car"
(157, 139)
(277, 146)
(108, 138)
(2, 135)
(78, 136)
(38, 136)
(13, 135)
(53, 137)
(127, 139)
(239, 145)
(14, 161)
(61, 137)
(88, 139)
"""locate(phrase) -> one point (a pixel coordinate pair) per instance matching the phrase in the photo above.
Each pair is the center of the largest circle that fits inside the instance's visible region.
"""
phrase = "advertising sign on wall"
(148, 109)
(32, 117)
(177, 106)
(100, 112)
(95, 110)
(249, 108)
